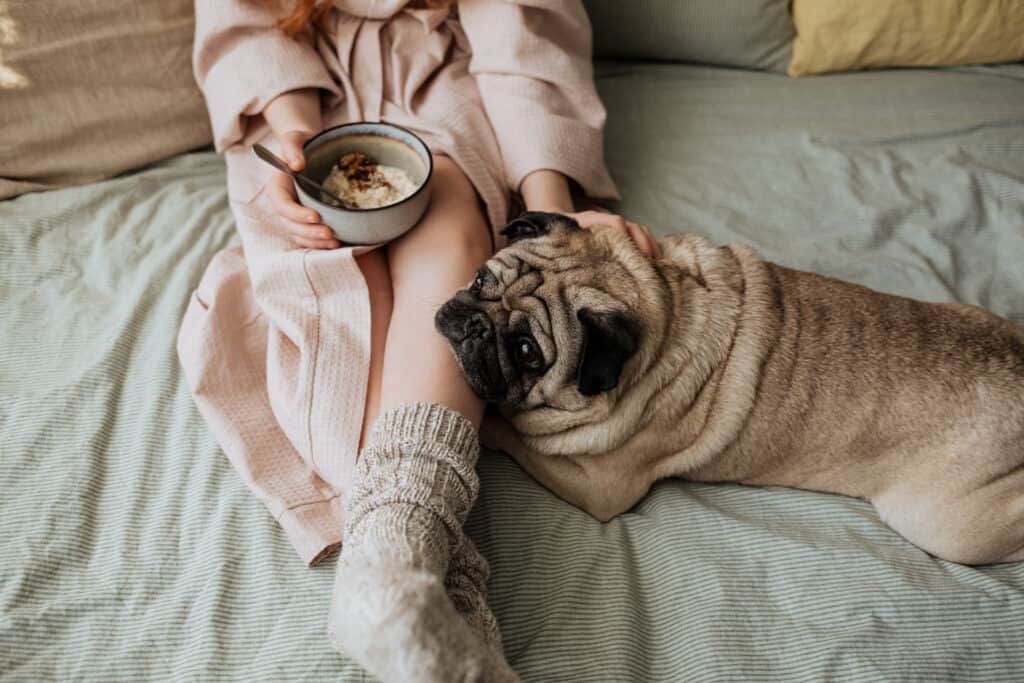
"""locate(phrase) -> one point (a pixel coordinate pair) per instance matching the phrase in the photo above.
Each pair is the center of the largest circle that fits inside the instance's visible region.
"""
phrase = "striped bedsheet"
(129, 549)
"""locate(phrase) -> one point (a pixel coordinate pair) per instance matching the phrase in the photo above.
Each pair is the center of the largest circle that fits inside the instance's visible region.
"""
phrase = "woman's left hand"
(640, 234)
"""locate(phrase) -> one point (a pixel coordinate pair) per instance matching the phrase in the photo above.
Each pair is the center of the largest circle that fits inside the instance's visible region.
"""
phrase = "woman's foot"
(466, 584)
(390, 611)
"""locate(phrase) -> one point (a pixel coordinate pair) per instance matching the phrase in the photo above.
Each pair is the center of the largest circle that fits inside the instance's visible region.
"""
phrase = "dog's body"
(713, 365)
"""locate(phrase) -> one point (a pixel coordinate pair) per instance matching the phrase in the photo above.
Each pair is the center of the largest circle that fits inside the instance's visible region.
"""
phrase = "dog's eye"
(485, 285)
(526, 353)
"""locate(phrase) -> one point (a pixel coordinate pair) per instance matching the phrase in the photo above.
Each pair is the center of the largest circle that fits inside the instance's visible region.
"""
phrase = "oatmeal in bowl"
(381, 171)
(366, 184)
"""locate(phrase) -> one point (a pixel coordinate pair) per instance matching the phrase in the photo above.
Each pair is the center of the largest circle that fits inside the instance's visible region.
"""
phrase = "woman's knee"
(452, 236)
(450, 183)
(466, 246)
(439, 268)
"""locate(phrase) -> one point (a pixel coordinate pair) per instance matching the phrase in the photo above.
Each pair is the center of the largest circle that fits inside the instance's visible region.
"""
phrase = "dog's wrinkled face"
(550, 321)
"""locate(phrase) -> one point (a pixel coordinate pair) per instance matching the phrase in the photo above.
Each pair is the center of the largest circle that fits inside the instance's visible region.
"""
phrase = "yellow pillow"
(846, 35)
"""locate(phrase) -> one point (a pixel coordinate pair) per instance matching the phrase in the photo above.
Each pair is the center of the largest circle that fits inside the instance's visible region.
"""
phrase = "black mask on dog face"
(518, 331)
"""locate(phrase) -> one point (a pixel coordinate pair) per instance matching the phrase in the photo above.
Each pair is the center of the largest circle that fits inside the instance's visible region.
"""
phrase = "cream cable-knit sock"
(415, 483)
(466, 584)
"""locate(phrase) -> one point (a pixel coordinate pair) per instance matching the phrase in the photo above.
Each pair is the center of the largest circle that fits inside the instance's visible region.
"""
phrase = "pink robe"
(275, 342)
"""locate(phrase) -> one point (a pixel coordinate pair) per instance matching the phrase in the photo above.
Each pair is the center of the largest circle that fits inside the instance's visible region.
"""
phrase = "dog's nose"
(478, 326)
(458, 321)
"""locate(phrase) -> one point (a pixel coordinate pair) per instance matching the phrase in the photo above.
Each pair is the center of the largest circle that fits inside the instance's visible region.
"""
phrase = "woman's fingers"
(302, 224)
(589, 219)
(309, 232)
(315, 243)
(311, 236)
(282, 197)
(640, 234)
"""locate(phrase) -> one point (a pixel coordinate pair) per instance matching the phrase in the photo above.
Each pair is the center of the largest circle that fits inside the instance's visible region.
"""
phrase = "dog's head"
(555, 321)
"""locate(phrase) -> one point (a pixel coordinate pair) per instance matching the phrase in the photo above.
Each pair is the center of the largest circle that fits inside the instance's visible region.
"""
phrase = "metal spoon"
(310, 184)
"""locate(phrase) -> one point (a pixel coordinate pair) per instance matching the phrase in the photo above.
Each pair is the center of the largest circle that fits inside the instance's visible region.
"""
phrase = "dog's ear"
(537, 224)
(609, 340)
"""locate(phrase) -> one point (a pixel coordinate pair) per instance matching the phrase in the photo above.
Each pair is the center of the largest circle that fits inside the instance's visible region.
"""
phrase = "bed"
(130, 550)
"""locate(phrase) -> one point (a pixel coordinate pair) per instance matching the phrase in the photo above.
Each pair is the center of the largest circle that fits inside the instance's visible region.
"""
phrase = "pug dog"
(612, 370)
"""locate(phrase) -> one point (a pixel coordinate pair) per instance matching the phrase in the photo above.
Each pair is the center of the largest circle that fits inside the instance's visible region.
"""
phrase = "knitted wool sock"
(466, 584)
(390, 611)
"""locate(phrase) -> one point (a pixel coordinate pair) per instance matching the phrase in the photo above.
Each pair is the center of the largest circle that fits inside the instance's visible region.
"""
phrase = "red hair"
(304, 12)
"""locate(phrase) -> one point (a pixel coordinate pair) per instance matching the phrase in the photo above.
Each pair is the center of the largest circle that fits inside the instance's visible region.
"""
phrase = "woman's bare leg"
(466, 581)
(415, 480)
(374, 266)
(436, 258)
(427, 266)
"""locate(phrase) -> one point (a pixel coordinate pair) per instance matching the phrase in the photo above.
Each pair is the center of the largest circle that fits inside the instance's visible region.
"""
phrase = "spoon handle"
(272, 159)
(310, 184)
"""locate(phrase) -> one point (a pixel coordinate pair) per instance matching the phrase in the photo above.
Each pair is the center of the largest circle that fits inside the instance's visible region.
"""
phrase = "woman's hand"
(640, 234)
(302, 224)
(547, 190)
(294, 117)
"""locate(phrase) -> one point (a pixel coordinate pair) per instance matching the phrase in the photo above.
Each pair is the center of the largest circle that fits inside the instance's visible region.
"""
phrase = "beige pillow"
(846, 35)
(89, 89)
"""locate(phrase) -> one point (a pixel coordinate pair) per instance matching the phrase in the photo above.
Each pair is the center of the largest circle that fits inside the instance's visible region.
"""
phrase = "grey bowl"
(388, 144)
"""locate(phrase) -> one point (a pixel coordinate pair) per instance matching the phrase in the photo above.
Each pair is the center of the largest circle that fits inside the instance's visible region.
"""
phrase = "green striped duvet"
(129, 549)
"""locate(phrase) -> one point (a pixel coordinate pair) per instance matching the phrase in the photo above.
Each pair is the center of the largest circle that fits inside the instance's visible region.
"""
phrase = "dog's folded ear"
(609, 340)
(537, 224)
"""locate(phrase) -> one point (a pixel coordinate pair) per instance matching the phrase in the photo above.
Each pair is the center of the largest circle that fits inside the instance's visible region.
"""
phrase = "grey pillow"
(750, 34)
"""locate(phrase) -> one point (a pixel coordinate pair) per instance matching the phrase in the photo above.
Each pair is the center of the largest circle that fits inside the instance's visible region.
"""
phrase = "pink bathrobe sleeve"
(242, 61)
(532, 63)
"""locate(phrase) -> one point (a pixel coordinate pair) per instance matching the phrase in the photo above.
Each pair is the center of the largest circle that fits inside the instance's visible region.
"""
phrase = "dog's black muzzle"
(471, 335)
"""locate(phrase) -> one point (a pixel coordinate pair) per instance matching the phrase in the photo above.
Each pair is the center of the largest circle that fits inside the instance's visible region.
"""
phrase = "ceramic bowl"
(390, 145)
